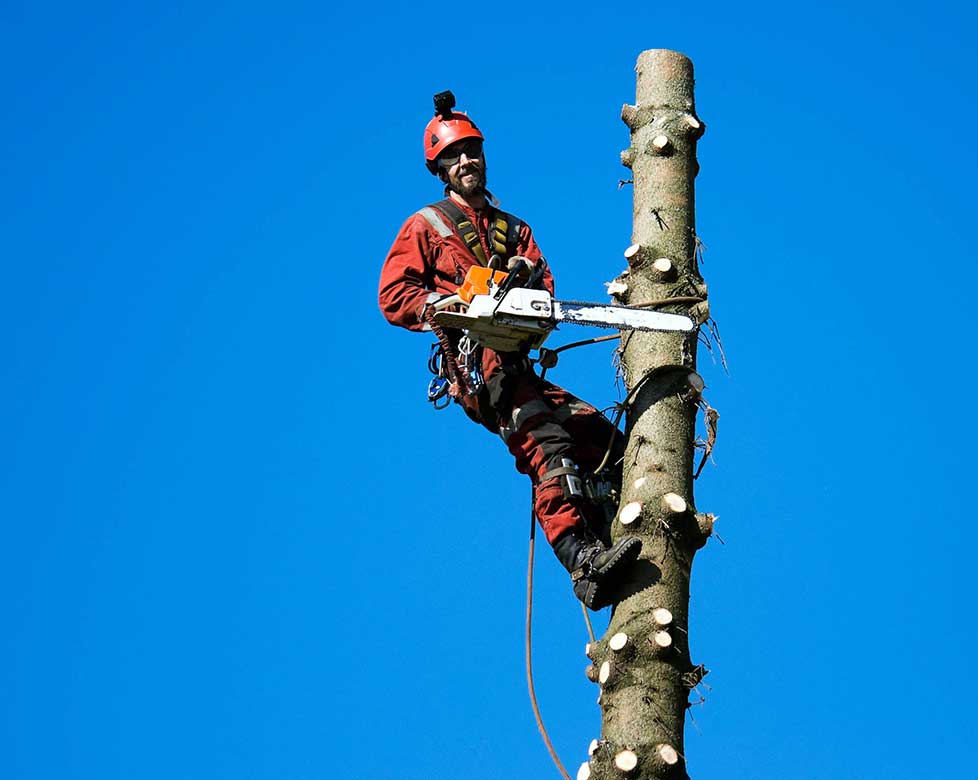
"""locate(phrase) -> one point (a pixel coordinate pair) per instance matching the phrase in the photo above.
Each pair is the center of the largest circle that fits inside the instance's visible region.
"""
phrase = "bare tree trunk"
(643, 663)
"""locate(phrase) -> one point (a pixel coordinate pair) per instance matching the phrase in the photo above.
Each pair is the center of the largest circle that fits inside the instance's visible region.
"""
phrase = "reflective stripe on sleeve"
(435, 220)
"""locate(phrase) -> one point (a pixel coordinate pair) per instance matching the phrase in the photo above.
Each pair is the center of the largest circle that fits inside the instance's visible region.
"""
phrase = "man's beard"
(471, 182)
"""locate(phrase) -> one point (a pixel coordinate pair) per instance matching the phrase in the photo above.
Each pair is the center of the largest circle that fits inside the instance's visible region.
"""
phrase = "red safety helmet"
(446, 128)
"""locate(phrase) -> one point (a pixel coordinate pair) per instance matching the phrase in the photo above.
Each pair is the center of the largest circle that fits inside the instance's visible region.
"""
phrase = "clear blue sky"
(238, 544)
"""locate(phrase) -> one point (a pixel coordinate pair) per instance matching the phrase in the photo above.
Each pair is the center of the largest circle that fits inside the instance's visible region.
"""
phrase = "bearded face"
(463, 168)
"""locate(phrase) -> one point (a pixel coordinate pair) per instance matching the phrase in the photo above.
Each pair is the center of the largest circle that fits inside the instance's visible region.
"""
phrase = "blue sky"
(237, 542)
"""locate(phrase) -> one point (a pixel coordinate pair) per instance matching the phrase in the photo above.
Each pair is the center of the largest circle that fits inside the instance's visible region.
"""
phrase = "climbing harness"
(458, 369)
(503, 236)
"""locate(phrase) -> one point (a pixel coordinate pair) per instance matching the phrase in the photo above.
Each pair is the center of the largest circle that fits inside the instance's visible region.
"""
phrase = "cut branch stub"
(588, 649)
(635, 116)
(630, 513)
(584, 772)
(672, 503)
(663, 269)
(591, 672)
(637, 256)
(695, 125)
(604, 673)
(621, 645)
(667, 754)
(662, 639)
(705, 523)
(593, 747)
(628, 157)
(659, 145)
(626, 761)
(662, 616)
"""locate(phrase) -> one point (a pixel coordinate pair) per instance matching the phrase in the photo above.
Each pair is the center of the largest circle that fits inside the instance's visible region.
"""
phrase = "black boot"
(594, 568)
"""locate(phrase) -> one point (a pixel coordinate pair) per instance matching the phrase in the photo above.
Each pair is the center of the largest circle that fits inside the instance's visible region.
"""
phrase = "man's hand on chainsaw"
(521, 267)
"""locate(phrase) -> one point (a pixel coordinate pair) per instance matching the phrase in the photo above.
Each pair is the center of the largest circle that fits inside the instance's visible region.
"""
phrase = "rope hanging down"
(620, 407)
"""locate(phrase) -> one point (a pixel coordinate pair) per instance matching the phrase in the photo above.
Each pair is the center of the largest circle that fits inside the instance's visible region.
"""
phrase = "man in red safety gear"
(549, 431)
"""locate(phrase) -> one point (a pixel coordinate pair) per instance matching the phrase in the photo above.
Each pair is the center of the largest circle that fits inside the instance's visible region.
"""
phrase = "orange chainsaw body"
(478, 279)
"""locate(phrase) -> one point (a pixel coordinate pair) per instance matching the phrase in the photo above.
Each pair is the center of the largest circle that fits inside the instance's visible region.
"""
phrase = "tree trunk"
(645, 669)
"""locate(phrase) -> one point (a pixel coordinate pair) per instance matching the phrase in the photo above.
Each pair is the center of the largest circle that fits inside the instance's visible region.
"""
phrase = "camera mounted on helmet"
(446, 128)
(444, 103)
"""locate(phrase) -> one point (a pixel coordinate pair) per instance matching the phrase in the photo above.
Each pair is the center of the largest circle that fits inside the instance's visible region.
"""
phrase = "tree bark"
(644, 667)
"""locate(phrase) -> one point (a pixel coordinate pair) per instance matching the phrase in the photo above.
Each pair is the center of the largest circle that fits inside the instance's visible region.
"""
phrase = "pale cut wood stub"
(604, 673)
(587, 650)
(660, 144)
(626, 761)
(628, 157)
(593, 747)
(633, 250)
(618, 642)
(591, 672)
(662, 639)
(663, 265)
(662, 616)
(630, 513)
(673, 503)
(617, 288)
(667, 754)
(584, 772)
(640, 481)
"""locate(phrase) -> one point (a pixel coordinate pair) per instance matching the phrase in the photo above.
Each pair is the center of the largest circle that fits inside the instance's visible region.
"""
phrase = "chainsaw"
(496, 311)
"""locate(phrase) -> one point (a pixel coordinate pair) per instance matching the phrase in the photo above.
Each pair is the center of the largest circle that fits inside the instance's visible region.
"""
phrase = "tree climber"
(550, 432)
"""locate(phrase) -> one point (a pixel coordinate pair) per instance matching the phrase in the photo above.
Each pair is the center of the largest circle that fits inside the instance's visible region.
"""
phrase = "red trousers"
(541, 425)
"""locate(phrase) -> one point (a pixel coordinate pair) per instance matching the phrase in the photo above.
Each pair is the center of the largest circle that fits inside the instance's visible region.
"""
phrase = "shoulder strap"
(505, 234)
(468, 232)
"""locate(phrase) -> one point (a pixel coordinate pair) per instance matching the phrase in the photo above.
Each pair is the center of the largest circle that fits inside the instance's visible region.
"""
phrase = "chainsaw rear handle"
(444, 303)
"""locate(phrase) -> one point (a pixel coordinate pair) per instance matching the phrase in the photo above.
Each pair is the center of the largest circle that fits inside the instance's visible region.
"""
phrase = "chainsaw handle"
(444, 303)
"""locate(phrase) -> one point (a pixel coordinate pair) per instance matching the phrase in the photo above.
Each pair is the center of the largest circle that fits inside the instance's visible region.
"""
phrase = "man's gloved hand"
(521, 267)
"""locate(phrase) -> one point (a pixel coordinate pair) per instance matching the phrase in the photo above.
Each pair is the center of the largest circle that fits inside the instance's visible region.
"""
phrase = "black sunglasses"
(471, 148)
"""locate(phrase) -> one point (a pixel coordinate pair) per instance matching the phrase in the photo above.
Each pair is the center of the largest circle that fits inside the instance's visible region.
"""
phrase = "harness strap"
(560, 471)
(504, 232)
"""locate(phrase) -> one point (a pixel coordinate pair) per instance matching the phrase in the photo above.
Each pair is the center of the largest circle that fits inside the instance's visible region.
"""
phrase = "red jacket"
(421, 261)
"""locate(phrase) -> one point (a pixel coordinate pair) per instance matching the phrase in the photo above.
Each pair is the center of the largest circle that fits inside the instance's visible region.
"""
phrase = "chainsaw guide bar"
(523, 318)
